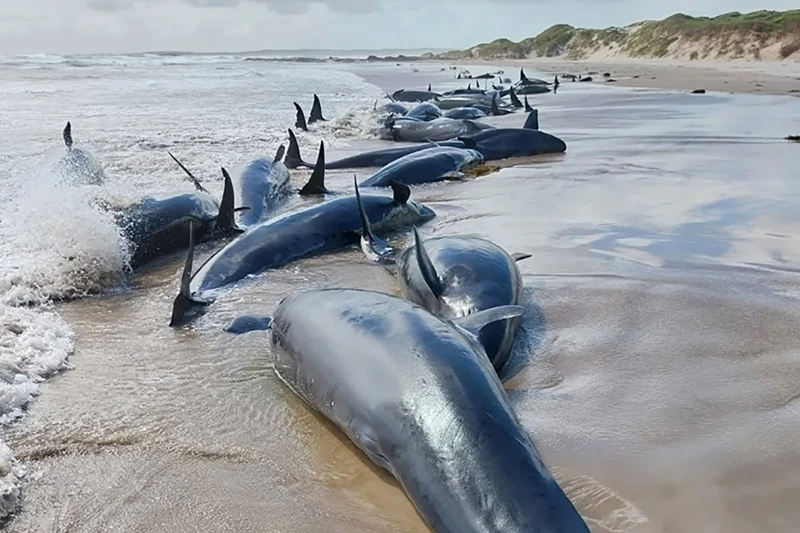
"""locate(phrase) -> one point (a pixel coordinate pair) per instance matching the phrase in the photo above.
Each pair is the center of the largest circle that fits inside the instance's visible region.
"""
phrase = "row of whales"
(412, 382)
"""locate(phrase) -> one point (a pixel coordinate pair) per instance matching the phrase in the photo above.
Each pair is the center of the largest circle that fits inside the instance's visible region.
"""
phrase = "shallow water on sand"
(658, 368)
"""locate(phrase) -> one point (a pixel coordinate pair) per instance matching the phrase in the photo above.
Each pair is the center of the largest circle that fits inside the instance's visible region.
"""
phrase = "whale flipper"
(532, 122)
(316, 183)
(316, 111)
(279, 154)
(520, 257)
(184, 301)
(248, 323)
(68, 135)
(374, 248)
(425, 264)
(301, 118)
(528, 107)
(293, 157)
(196, 182)
(475, 322)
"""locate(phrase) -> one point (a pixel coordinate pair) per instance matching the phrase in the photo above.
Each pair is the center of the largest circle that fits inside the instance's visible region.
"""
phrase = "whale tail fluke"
(184, 305)
(532, 122)
(514, 99)
(316, 112)
(293, 157)
(300, 123)
(528, 107)
(194, 180)
(375, 249)
(316, 183)
(68, 135)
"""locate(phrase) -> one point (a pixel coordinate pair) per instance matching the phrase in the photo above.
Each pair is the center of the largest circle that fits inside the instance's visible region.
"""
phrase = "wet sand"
(776, 78)
(656, 369)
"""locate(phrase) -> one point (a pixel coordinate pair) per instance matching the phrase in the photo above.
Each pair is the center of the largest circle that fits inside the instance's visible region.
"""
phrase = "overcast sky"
(78, 26)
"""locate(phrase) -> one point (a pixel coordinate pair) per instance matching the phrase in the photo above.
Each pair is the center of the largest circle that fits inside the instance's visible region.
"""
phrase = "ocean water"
(657, 369)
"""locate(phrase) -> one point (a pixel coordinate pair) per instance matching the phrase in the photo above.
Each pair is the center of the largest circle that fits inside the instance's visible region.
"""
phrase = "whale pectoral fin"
(300, 123)
(375, 249)
(426, 267)
(248, 323)
(194, 180)
(316, 183)
(475, 322)
(520, 257)
(184, 302)
(279, 154)
(401, 191)
(68, 135)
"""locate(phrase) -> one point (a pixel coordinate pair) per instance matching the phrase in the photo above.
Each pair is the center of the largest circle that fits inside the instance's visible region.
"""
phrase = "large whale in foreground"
(503, 143)
(418, 396)
(436, 163)
(308, 232)
(78, 166)
(373, 158)
(455, 276)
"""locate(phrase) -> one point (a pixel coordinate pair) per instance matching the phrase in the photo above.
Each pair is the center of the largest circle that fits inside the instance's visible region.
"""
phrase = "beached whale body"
(419, 397)
(502, 143)
(308, 232)
(373, 158)
(78, 166)
(264, 183)
(441, 129)
(424, 112)
(456, 276)
(425, 166)
(414, 96)
(469, 113)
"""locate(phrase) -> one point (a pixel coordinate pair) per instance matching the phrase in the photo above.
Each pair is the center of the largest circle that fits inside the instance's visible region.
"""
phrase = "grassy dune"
(773, 35)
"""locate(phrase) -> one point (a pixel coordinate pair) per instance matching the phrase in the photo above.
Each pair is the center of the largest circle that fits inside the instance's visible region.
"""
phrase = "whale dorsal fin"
(514, 99)
(279, 154)
(196, 182)
(522, 76)
(248, 323)
(316, 183)
(469, 142)
(495, 109)
(475, 322)
(225, 219)
(300, 123)
(68, 135)
(520, 257)
(401, 191)
(316, 111)
(528, 107)
(184, 301)
(293, 157)
(426, 267)
(374, 248)
(532, 122)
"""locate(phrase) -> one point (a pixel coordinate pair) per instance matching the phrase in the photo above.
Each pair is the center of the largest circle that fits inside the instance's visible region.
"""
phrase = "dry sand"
(758, 77)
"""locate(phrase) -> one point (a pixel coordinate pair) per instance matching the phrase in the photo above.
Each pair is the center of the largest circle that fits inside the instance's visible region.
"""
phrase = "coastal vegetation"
(757, 35)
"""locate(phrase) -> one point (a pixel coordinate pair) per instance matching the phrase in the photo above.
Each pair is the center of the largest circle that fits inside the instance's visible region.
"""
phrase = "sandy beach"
(755, 77)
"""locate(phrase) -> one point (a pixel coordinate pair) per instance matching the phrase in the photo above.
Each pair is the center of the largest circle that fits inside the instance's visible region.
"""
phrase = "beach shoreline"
(749, 77)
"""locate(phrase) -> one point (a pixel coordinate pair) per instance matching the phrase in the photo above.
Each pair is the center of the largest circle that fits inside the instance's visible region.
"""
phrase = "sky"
(114, 26)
